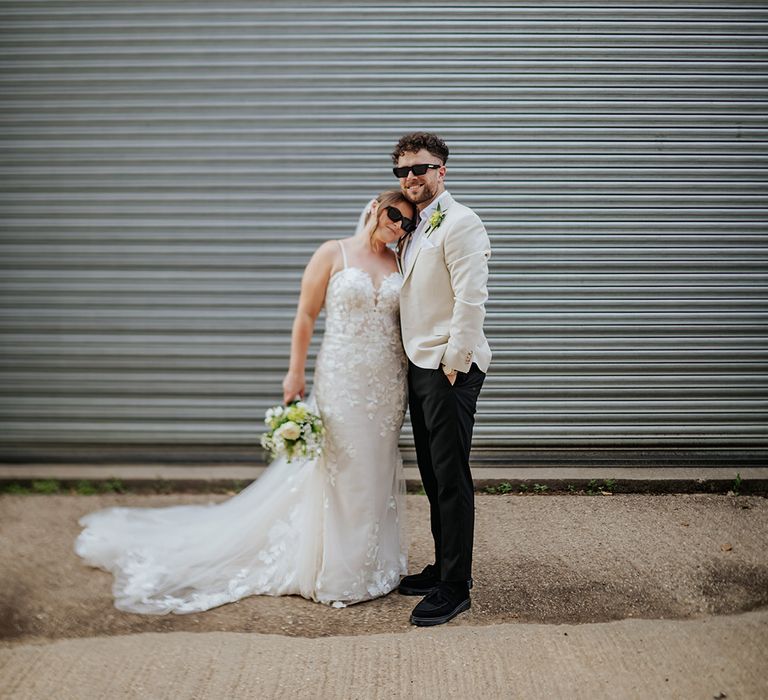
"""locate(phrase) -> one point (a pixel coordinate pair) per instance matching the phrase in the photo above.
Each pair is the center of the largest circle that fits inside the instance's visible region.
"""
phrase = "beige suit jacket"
(445, 287)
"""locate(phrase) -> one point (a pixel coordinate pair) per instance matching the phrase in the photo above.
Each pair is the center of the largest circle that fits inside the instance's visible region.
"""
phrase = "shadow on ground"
(547, 559)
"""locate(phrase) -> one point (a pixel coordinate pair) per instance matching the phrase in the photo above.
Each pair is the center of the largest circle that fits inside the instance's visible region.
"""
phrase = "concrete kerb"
(536, 480)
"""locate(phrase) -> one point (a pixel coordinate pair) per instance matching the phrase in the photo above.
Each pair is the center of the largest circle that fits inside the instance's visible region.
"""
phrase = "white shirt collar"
(427, 211)
(415, 239)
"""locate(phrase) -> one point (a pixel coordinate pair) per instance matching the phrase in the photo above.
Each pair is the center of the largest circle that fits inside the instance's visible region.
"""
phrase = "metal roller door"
(167, 168)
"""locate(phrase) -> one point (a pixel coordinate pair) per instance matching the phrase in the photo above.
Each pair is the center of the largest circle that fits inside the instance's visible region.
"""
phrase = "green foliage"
(85, 488)
(13, 488)
(507, 487)
(736, 488)
(503, 487)
(111, 486)
(594, 487)
(45, 486)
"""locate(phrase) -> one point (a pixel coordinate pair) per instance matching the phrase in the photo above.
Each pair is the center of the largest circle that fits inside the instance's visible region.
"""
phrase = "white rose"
(289, 430)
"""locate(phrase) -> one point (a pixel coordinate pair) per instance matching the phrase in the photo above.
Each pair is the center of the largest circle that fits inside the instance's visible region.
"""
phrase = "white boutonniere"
(435, 220)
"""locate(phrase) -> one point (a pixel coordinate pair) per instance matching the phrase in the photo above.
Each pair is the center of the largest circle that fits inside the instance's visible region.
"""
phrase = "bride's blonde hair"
(389, 198)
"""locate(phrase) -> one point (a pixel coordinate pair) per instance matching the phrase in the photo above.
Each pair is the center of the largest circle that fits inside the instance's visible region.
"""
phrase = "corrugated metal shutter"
(168, 167)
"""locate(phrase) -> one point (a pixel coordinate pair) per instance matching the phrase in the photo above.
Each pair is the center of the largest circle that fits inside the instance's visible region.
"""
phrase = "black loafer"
(442, 604)
(420, 584)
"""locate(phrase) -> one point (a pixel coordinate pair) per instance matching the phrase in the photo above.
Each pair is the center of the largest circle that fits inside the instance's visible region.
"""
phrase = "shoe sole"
(410, 590)
(429, 621)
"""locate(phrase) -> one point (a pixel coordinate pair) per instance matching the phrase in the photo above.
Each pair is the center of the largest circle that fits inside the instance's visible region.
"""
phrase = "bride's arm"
(313, 285)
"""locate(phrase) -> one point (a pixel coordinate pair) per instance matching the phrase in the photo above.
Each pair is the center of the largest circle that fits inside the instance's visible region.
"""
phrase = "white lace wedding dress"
(330, 529)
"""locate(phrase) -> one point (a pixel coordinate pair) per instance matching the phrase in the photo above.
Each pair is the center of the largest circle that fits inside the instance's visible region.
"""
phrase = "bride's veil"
(362, 219)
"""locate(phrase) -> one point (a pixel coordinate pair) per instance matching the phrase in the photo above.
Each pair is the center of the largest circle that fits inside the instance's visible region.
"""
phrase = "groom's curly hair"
(418, 140)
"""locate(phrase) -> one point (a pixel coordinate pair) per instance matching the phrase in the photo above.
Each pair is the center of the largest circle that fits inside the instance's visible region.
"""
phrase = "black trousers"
(443, 417)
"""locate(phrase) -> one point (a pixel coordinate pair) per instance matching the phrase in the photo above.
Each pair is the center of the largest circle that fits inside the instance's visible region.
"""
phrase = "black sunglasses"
(419, 169)
(408, 225)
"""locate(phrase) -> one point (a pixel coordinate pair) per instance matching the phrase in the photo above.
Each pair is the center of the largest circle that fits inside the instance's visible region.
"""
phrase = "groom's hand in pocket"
(450, 374)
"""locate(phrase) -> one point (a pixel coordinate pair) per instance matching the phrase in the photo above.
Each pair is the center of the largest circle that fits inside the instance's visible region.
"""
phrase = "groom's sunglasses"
(418, 170)
(394, 214)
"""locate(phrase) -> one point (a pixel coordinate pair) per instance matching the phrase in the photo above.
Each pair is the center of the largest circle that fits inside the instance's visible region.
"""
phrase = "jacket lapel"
(445, 202)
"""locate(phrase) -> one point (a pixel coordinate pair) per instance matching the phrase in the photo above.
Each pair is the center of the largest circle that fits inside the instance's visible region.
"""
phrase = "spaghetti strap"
(343, 253)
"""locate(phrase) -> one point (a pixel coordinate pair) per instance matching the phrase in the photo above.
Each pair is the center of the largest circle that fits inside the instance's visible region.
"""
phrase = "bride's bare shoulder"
(327, 256)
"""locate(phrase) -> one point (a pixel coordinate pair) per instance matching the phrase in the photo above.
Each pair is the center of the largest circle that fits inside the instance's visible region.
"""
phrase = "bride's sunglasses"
(418, 170)
(394, 214)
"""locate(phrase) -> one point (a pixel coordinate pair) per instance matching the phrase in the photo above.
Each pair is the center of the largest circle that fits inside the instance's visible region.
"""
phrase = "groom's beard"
(425, 194)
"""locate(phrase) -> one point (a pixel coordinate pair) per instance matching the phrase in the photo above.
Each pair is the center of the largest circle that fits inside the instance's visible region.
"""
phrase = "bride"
(330, 529)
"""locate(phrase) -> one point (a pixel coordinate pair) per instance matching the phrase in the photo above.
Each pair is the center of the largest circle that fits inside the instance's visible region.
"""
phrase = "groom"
(442, 307)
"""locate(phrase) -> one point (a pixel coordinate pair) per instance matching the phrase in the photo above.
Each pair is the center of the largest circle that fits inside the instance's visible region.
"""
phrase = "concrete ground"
(614, 596)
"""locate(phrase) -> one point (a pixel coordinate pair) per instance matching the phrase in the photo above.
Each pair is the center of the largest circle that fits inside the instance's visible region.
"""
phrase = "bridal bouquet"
(294, 431)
